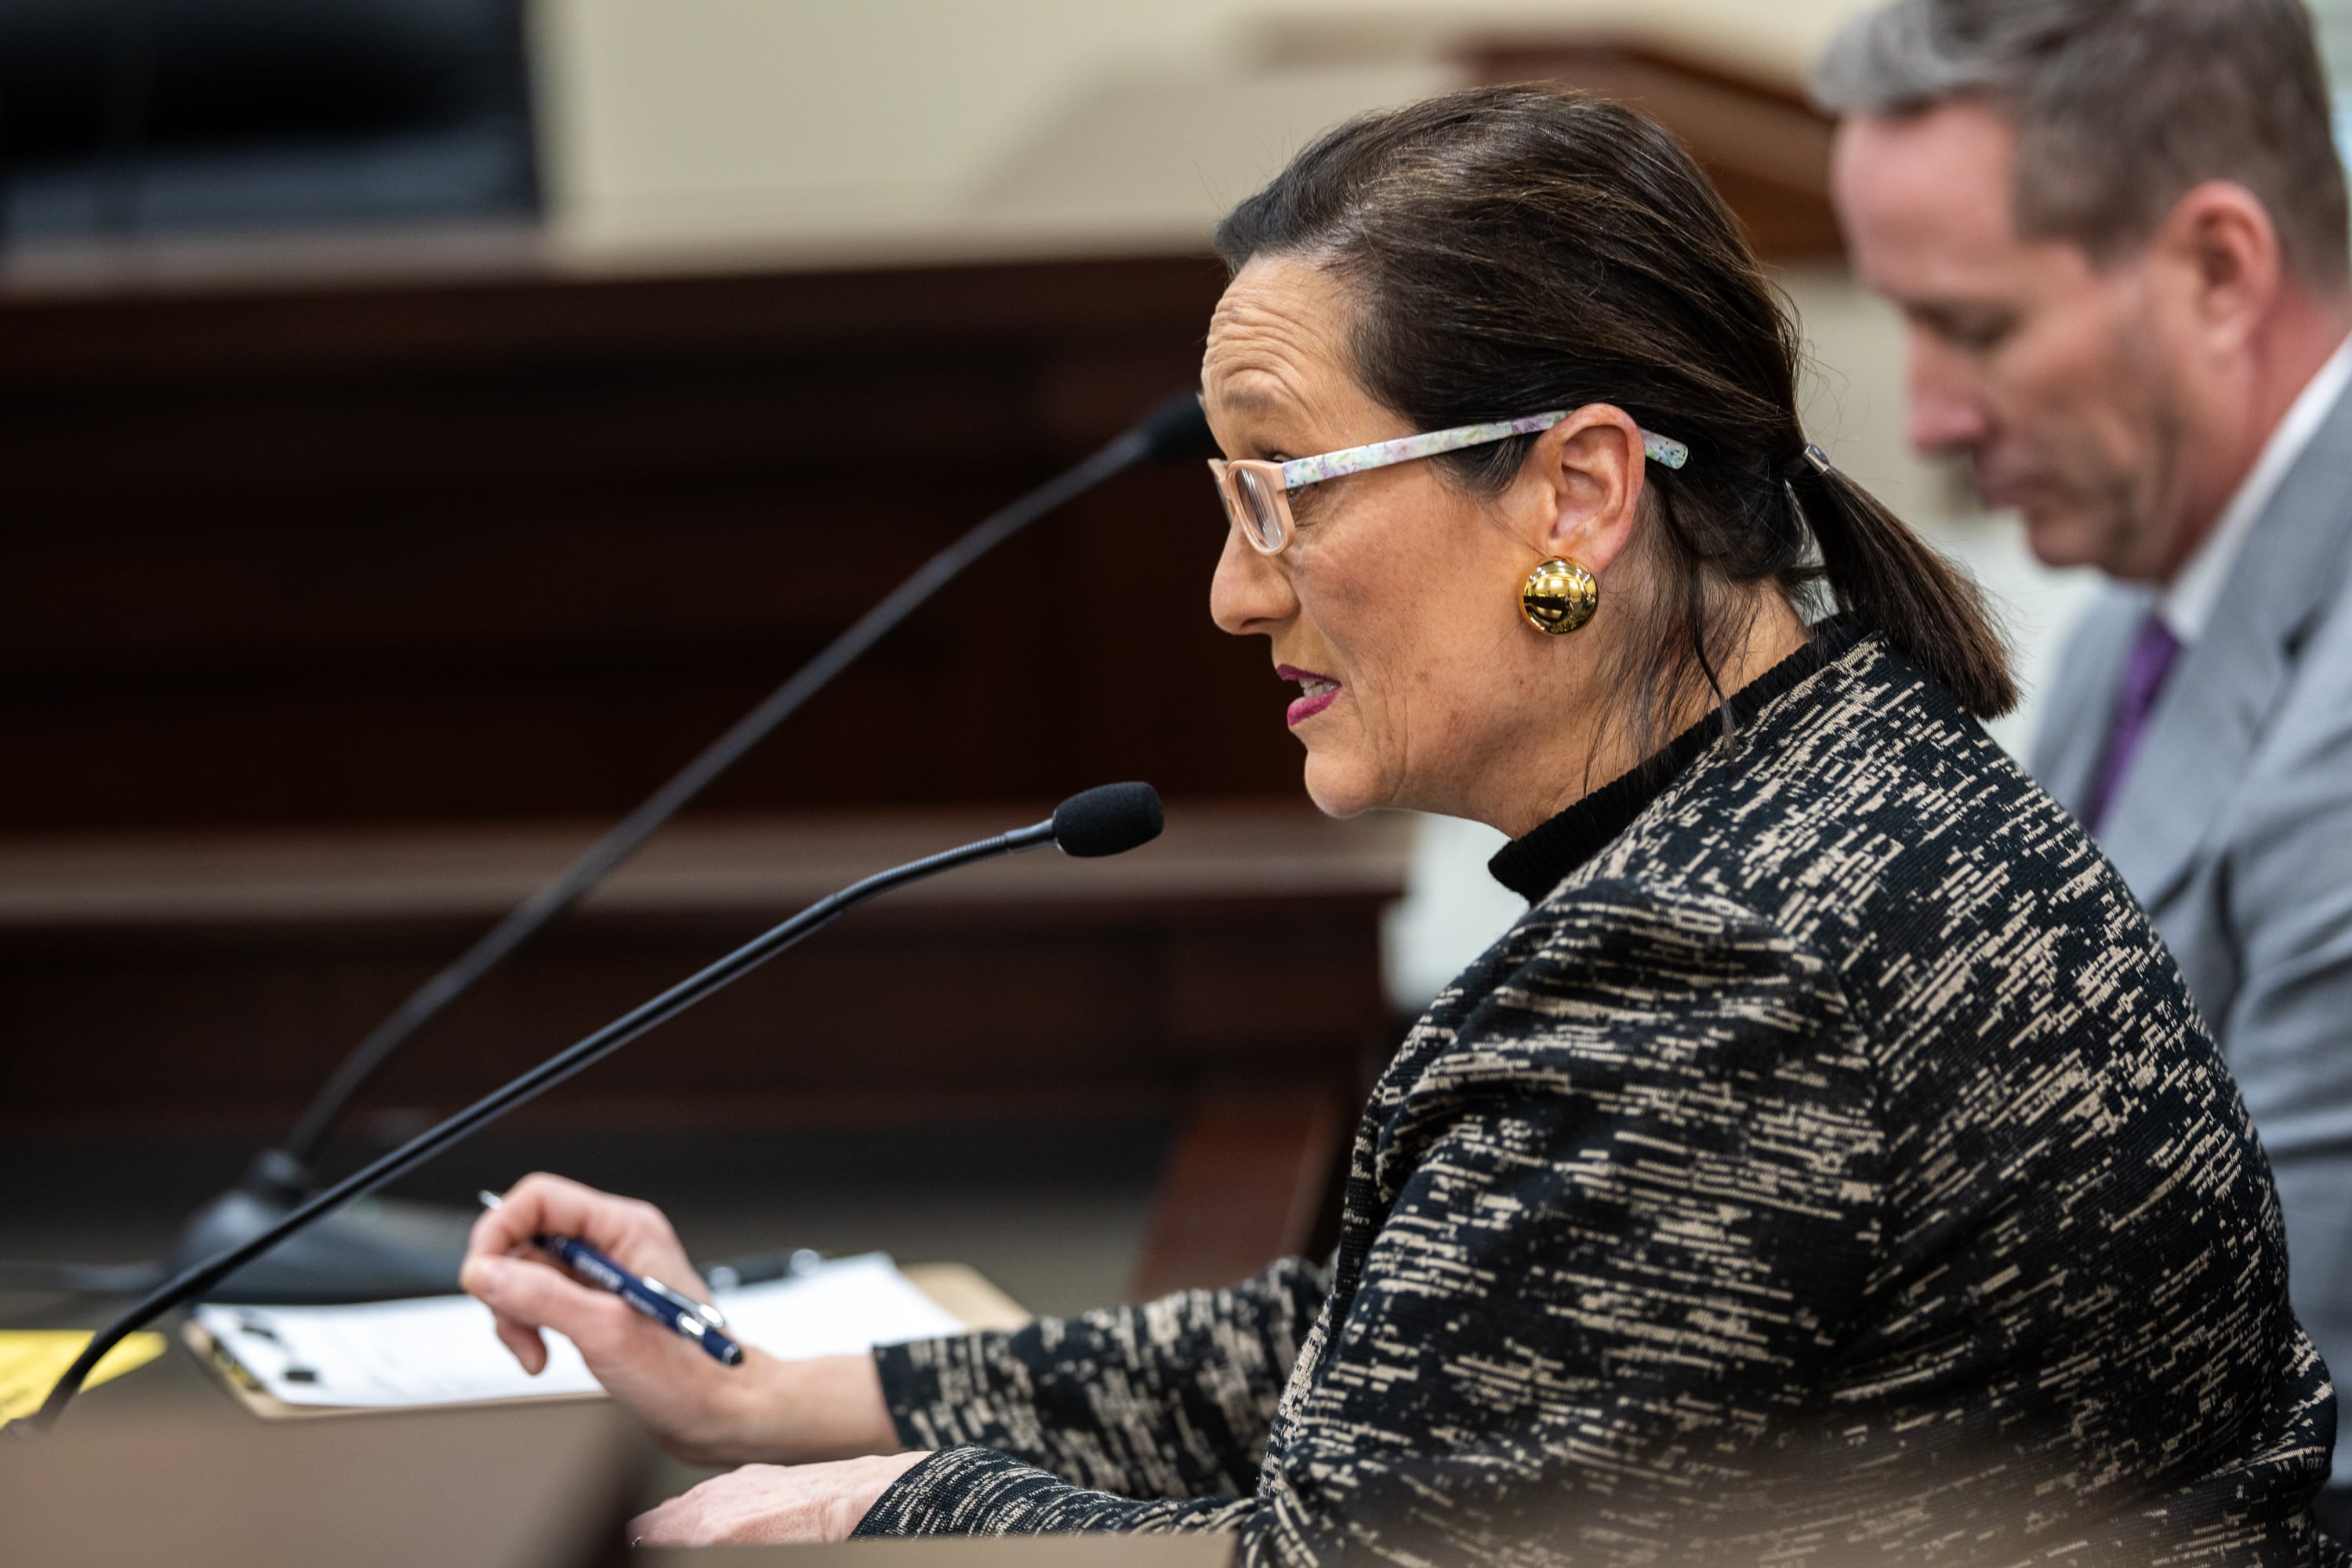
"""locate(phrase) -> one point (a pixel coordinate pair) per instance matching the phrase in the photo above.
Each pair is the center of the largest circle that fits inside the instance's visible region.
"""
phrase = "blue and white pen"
(673, 1310)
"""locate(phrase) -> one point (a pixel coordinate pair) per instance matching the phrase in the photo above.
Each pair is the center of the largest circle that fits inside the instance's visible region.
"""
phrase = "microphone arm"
(1105, 821)
(1172, 428)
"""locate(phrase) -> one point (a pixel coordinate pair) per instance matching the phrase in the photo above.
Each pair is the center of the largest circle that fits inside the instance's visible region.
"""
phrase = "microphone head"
(1175, 428)
(1109, 819)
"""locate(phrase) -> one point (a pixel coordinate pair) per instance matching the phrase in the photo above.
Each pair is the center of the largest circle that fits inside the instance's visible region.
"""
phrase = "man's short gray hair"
(2121, 106)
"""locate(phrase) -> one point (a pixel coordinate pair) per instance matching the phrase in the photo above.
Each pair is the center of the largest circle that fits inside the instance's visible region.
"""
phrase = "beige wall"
(879, 126)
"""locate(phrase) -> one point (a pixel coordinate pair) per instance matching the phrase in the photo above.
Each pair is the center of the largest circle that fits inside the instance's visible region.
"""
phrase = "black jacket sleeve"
(1172, 1399)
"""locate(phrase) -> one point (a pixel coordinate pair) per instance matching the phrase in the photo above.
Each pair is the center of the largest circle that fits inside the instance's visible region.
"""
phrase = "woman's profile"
(1829, 1167)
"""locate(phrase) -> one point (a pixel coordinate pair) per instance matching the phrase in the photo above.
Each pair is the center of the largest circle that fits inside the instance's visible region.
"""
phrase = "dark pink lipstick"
(1321, 691)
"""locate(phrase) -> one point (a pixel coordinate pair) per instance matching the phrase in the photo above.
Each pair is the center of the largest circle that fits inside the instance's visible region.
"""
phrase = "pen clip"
(683, 1302)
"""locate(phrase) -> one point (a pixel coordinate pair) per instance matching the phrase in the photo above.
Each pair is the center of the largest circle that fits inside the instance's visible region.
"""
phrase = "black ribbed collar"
(1534, 864)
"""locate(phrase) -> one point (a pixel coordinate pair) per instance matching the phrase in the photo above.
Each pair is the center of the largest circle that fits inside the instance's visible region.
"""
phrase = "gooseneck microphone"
(1172, 428)
(1109, 820)
(388, 1254)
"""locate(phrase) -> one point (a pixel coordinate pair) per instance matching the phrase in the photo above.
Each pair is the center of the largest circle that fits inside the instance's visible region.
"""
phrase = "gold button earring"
(1558, 598)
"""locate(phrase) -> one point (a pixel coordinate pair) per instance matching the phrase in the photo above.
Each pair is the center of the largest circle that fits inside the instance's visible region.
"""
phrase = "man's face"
(2048, 374)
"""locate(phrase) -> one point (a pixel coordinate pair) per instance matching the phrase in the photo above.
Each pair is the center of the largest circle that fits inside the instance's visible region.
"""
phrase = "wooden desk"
(529, 1486)
(542, 1486)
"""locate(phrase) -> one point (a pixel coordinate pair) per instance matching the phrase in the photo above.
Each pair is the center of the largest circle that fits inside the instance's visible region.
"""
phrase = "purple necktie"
(2152, 657)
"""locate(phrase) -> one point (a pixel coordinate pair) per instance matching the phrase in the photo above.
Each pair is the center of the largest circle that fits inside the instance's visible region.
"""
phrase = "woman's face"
(1395, 610)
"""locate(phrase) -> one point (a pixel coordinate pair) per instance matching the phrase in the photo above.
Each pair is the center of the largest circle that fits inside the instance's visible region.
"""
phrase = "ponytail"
(1890, 581)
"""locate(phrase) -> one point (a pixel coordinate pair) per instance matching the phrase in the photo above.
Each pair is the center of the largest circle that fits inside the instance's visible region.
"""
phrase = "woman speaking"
(1828, 1166)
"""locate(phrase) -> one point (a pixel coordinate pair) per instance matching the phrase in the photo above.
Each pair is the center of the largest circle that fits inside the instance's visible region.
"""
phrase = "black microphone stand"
(1108, 820)
(393, 1248)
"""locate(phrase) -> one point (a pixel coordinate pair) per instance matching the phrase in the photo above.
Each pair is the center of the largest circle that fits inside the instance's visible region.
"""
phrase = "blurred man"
(2117, 231)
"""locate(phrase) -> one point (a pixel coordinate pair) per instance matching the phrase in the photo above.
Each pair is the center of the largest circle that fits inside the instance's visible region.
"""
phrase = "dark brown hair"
(1522, 248)
(2120, 108)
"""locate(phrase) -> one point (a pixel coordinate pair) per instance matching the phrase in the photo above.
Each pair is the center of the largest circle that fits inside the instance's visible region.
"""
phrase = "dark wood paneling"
(1225, 977)
(988, 1006)
(499, 550)
(220, 977)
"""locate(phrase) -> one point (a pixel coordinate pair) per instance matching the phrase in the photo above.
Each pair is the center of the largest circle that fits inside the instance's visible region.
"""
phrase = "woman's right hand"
(762, 1410)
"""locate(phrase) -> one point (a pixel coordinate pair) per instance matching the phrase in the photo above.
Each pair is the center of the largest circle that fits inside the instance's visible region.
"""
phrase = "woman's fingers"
(542, 1205)
(633, 1233)
(773, 1503)
(524, 1342)
(756, 1503)
(526, 1297)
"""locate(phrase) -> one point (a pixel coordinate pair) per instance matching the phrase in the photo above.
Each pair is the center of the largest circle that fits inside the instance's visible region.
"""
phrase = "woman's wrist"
(796, 1412)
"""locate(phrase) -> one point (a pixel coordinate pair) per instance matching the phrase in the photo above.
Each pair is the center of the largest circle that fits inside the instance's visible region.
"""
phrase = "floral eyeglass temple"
(1301, 471)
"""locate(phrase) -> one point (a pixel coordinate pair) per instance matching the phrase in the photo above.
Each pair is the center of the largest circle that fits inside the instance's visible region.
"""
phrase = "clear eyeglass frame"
(1256, 491)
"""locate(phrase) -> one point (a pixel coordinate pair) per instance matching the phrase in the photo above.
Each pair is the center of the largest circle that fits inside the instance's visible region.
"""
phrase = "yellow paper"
(32, 1360)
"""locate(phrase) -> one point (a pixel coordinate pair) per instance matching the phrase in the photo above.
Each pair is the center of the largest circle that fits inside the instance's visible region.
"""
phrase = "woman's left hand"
(767, 1503)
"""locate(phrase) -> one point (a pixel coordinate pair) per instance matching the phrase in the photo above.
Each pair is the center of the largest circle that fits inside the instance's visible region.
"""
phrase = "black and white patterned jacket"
(1828, 1168)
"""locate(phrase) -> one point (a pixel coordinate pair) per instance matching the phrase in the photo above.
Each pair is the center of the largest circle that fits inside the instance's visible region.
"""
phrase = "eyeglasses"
(1257, 492)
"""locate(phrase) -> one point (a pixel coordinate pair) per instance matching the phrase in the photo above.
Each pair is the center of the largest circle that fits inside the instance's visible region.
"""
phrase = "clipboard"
(963, 1291)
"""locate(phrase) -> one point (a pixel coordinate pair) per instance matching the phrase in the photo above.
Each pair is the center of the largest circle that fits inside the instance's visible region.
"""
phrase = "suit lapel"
(2201, 738)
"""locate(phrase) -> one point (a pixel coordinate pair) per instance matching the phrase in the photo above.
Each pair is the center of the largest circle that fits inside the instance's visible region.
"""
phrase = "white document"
(441, 1350)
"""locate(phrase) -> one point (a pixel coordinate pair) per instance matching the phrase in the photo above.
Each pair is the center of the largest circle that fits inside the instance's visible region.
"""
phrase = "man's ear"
(2225, 251)
(1590, 472)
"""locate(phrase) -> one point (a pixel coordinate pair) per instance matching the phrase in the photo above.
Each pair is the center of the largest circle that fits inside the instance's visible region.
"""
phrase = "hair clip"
(1812, 457)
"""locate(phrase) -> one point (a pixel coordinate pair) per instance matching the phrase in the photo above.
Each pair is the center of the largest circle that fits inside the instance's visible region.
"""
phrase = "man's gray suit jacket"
(2234, 828)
